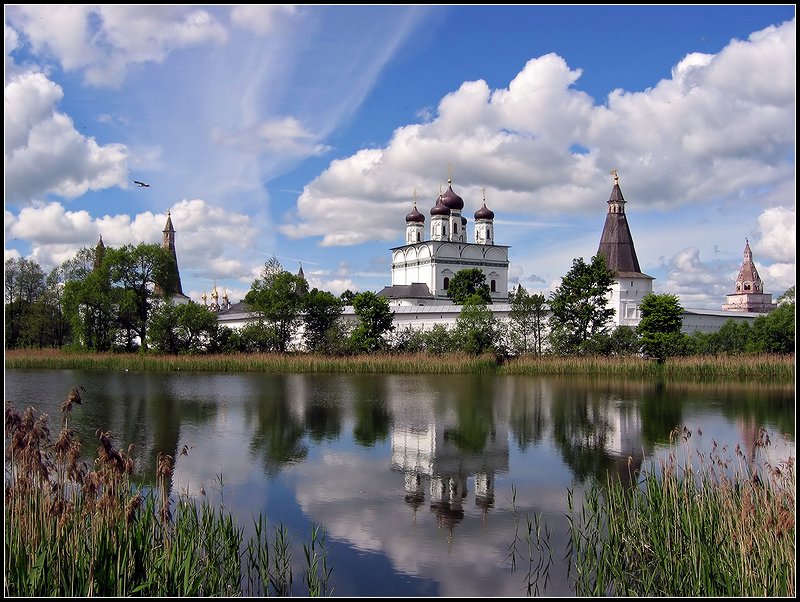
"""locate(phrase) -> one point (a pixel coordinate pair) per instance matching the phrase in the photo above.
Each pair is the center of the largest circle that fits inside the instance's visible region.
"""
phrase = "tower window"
(446, 282)
(493, 286)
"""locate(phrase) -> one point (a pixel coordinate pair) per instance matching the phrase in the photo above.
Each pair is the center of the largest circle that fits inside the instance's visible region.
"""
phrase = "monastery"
(422, 268)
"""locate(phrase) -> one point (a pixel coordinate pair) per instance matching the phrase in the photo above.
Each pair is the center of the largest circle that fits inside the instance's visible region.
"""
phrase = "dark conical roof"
(616, 242)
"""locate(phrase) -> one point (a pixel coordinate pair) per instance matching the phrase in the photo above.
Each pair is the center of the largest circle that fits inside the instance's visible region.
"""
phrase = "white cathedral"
(422, 269)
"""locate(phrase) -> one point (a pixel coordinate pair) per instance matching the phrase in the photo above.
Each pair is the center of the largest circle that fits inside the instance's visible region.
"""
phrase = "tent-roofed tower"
(168, 242)
(748, 292)
(616, 244)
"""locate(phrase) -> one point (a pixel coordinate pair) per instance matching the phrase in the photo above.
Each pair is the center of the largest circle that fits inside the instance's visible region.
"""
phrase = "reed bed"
(707, 525)
(762, 368)
(77, 530)
(765, 367)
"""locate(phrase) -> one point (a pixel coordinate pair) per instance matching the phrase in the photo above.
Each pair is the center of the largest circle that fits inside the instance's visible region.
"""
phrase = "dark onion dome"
(440, 208)
(450, 199)
(463, 221)
(484, 213)
(415, 216)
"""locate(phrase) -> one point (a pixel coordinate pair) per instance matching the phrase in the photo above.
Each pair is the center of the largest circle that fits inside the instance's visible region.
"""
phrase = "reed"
(72, 529)
(706, 525)
(762, 368)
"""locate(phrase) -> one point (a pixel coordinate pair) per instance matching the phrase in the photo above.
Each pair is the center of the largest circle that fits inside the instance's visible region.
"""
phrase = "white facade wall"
(625, 297)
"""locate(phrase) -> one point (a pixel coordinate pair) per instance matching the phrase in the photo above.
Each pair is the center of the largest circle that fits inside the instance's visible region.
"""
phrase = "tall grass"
(77, 530)
(764, 368)
(702, 526)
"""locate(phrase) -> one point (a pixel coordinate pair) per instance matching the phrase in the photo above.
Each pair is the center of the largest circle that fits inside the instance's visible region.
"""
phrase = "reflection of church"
(430, 460)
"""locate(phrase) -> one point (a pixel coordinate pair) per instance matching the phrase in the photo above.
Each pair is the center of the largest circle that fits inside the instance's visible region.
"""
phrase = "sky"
(306, 132)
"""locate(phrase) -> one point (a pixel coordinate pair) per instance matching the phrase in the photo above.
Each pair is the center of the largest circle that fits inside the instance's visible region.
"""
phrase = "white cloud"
(44, 153)
(777, 235)
(695, 283)
(695, 138)
(261, 19)
(210, 240)
(104, 40)
(285, 136)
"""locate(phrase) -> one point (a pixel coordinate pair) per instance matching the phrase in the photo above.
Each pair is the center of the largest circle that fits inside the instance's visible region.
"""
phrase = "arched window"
(493, 286)
(747, 286)
(446, 282)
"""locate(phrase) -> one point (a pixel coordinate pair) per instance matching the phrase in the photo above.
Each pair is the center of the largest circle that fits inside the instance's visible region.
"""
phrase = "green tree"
(24, 285)
(439, 340)
(182, 328)
(579, 306)
(137, 271)
(278, 297)
(322, 311)
(376, 320)
(476, 328)
(347, 297)
(625, 341)
(787, 296)
(730, 338)
(89, 300)
(774, 332)
(660, 326)
(526, 322)
(466, 283)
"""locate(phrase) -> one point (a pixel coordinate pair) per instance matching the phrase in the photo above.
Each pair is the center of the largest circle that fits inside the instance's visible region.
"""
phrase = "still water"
(420, 482)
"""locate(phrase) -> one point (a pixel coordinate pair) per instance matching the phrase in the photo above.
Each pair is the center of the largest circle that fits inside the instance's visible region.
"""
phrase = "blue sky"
(303, 132)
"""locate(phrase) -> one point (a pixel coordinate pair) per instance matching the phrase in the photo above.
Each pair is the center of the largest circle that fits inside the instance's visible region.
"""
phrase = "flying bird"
(141, 184)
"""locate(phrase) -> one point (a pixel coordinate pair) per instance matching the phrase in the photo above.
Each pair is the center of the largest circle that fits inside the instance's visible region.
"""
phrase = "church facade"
(423, 268)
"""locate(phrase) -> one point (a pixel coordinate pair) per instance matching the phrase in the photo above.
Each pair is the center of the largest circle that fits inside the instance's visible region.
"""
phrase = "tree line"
(107, 299)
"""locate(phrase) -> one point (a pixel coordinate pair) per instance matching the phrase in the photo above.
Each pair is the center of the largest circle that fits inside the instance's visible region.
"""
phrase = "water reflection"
(411, 476)
(431, 460)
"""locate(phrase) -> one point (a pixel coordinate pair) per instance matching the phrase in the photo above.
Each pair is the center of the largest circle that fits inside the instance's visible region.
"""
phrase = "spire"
(300, 273)
(99, 253)
(169, 243)
(616, 242)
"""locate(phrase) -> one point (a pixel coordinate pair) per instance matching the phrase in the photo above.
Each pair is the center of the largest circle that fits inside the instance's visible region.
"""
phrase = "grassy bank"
(706, 526)
(765, 368)
(77, 530)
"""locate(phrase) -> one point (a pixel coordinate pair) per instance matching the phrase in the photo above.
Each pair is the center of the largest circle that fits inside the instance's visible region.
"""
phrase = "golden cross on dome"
(449, 173)
(415, 198)
(483, 190)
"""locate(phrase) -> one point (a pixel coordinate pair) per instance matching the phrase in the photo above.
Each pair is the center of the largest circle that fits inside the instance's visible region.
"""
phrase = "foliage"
(527, 318)
(579, 305)
(775, 331)
(439, 340)
(138, 272)
(279, 298)
(322, 311)
(33, 316)
(476, 330)
(660, 326)
(376, 320)
(466, 283)
(183, 328)
(89, 300)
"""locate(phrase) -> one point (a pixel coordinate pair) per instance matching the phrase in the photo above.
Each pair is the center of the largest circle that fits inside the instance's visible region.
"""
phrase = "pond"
(421, 483)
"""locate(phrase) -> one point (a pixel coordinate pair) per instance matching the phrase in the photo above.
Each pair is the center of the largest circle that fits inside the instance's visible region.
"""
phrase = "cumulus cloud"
(43, 151)
(261, 19)
(712, 132)
(210, 240)
(104, 40)
(777, 229)
(698, 284)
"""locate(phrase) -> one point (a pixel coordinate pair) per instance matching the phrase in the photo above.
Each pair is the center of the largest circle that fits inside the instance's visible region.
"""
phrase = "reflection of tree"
(323, 420)
(528, 419)
(661, 412)
(277, 435)
(370, 411)
(771, 406)
(580, 430)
